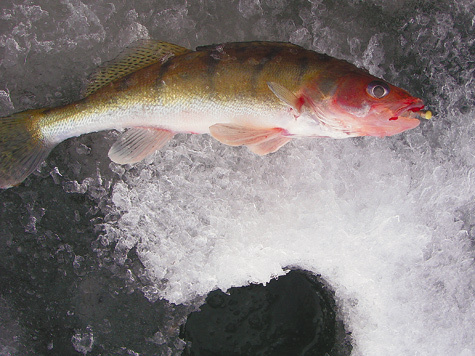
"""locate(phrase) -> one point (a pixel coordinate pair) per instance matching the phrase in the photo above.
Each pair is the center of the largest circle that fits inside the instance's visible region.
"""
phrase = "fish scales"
(258, 94)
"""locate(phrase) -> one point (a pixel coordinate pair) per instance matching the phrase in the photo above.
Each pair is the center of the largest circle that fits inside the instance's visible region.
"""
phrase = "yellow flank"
(232, 73)
(235, 72)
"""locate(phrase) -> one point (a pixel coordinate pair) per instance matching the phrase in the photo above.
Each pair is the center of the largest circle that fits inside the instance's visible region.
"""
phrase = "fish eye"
(378, 89)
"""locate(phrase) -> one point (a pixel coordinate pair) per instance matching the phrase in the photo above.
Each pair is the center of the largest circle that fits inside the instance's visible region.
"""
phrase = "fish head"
(368, 106)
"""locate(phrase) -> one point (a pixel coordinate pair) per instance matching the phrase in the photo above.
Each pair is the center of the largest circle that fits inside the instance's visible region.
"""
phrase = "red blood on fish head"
(370, 106)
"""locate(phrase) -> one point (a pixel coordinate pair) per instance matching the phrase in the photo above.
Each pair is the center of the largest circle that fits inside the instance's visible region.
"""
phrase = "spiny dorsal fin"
(141, 54)
(137, 143)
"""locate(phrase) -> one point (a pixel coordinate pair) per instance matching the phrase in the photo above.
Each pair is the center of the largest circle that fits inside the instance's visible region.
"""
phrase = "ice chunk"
(374, 55)
(83, 341)
(357, 212)
(5, 99)
(250, 8)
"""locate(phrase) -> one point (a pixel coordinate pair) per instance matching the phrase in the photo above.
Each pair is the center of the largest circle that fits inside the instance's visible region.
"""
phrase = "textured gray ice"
(388, 223)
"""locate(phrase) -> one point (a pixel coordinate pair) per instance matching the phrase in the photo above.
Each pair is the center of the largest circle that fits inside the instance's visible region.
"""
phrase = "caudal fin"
(22, 149)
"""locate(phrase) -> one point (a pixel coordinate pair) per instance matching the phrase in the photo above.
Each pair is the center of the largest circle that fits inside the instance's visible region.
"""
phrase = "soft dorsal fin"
(139, 55)
(137, 143)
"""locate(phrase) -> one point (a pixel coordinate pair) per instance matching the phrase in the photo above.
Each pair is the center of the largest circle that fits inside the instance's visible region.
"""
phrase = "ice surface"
(388, 223)
(10, 330)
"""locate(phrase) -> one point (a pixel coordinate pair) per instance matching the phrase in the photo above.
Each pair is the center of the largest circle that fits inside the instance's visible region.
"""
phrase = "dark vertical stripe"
(303, 67)
(240, 52)
(161, 73)
(124, 83)
(270, 55)
(211, 61)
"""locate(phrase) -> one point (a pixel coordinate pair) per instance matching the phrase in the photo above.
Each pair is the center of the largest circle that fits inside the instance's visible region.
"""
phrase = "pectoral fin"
(284, 94)
(137, 143)
(260, 141)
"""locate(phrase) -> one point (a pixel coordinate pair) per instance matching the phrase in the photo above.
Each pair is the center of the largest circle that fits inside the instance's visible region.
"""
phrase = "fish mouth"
(412, 111)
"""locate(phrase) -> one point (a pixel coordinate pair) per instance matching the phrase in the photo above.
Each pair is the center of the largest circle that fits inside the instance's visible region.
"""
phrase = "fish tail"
(22, 147)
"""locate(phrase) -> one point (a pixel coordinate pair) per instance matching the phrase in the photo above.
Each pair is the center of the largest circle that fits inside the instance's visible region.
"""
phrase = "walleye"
(257, 94)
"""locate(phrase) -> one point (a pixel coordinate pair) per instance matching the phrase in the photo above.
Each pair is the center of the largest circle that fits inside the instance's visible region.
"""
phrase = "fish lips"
(414, 106)
(396, 121)
(404, 119)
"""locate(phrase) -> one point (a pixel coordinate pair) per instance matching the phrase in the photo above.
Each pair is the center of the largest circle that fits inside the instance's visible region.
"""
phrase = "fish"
(255, 94)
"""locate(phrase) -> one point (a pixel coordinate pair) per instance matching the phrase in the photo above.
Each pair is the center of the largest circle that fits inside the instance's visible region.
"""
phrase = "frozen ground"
(388, 223)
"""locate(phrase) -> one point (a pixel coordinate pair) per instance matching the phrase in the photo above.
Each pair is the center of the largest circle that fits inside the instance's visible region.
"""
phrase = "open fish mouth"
(413, 111)
(419, 114)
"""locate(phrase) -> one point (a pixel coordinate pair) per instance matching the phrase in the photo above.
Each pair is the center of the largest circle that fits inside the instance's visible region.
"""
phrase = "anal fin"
(137, 143)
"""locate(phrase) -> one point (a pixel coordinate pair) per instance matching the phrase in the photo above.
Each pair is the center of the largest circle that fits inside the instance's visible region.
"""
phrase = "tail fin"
(22, 148)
